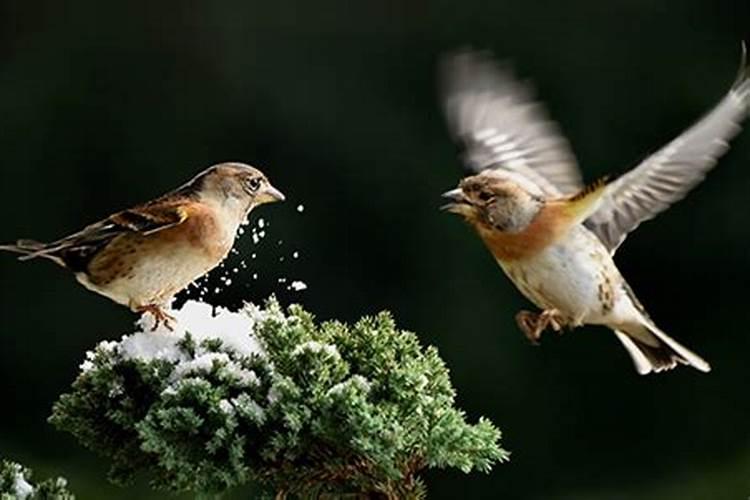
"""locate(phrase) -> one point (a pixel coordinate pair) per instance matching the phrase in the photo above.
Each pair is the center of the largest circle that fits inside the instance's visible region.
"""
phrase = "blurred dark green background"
(105, 104)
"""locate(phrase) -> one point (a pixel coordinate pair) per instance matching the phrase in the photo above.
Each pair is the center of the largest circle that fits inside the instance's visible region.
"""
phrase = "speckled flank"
(137, 269)
(606, 294)
(575, 276)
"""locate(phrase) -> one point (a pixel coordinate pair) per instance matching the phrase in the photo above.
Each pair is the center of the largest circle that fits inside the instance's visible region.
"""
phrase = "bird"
(142, 256)
(553, 237)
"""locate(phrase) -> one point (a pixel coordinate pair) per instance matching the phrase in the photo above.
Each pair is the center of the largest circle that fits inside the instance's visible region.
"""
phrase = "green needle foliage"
(323, 410)
(15, 484)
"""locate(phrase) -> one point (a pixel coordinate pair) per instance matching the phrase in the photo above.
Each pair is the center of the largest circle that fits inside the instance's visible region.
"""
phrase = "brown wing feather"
(76, 250)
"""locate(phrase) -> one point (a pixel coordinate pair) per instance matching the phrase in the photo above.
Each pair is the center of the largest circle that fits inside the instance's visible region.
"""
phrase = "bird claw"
(528, 323)
(533, 324)
(159, 317)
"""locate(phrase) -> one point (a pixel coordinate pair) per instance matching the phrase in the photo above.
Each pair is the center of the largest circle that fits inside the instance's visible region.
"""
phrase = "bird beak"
(270, 194)
(456, 199)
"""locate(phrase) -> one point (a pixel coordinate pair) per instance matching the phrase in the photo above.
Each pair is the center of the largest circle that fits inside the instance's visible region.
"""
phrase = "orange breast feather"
(549, 224)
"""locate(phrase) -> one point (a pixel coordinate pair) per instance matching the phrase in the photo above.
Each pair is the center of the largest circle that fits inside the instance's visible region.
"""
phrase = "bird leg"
(159, 316)
(533, 324)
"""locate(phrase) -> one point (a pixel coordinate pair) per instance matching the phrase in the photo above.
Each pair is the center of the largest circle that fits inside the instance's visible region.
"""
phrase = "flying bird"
(141, 257)
(553, 237)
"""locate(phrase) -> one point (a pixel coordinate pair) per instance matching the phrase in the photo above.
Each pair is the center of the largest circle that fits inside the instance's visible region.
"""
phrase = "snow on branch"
(16, 484)
(269, 396)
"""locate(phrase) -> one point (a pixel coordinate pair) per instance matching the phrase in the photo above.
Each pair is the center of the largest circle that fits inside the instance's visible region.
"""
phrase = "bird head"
(493, 200)
(236, 186)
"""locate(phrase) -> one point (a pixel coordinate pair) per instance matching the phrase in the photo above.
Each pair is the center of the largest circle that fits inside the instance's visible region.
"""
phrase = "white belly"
(576, 276)
(156, 279)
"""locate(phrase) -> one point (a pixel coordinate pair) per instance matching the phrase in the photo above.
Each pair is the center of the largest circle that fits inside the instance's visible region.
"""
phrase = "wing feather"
(77, 249)
(668, 175)
(499, 125)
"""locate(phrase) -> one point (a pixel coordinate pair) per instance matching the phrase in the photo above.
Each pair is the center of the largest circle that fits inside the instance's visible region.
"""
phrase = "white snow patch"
(226, 407)
(298, 286)
(314, 346)
(22, 488)
(358, 380)
(148, 346)
(202, 363)
(245, 404)
(234, 329)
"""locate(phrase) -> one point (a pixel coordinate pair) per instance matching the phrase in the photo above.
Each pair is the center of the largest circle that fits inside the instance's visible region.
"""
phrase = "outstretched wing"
(668, 175)
(499, 125)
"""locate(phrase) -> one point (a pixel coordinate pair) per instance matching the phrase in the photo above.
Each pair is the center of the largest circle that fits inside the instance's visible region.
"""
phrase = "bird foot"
(159, 316)
(533, 324)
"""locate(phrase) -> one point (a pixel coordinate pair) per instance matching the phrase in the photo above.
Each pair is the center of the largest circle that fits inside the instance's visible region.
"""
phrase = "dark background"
(103, 105)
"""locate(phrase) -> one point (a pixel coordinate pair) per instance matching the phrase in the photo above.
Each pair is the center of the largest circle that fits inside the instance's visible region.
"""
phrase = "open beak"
(456, 198)
(270, 194)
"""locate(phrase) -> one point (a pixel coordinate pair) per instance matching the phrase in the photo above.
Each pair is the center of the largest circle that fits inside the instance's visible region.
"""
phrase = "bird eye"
(253, 183)
(485, 196)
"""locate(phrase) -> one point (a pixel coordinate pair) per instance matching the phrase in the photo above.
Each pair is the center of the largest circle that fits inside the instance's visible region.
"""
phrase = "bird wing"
(499, 125)
(77, 249)
(669, 174)
(150, 218)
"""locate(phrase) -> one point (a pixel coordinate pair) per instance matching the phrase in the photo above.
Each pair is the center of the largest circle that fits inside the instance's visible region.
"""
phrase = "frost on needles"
(268, 396)
(16, 484)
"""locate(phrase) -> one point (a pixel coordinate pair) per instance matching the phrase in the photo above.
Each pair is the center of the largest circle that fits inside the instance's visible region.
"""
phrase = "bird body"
(143, 256)
(562, 277)
(137, 269)
(552, 237)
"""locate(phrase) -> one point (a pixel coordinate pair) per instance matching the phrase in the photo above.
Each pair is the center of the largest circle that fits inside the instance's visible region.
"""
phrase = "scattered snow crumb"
(300, 208)
(261, 223)
(298, 286)
(295, 255)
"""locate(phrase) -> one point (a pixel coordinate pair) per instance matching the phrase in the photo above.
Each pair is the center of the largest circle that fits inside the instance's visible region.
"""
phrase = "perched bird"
(552, 237)
(141, 257)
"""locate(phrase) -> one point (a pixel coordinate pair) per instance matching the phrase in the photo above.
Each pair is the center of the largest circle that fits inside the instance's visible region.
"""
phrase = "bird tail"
(653, 350)
(30, 249)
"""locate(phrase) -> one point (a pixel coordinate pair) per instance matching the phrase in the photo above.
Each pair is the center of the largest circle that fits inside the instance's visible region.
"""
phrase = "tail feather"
(654, 351)
(30, 249)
